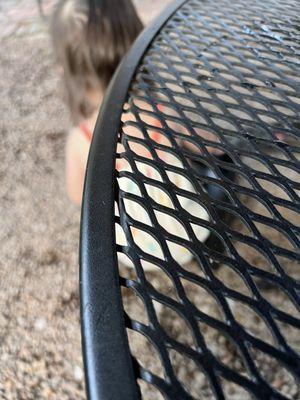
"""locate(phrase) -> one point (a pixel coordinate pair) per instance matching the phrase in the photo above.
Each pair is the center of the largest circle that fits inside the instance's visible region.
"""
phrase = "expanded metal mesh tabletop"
(190, 274)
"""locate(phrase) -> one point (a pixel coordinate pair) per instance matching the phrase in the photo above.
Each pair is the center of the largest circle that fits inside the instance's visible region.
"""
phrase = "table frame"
(109, 369)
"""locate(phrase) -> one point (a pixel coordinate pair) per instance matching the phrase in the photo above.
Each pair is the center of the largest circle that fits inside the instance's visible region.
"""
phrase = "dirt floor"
(40, 348)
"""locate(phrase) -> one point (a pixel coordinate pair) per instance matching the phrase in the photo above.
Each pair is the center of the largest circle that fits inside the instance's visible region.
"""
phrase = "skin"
(77, 149)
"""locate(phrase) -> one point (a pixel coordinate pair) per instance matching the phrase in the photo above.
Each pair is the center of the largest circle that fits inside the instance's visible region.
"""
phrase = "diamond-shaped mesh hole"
(275, 236)
(133, 130)
(140, 149)
(282, 301)
(134, 306)
(234, 220)
(159, 195)
(159, 279)
(193, 208)
(174, 325)
(145, 353)
(190, 376)
(126, 266)
(202, 299)
(233, 391)
(251, 321)
(136, 211)
(149, 171)
(223, 349)
(120, 235)
(289, 173)
(255, 164)
(177, 250)
(291, 267)
(275, 374)
(181, 181)
(129, 185)
(289, 215)
(255, 204)
(147, 243)
(149, 392)
(291, 334)
(274, 189)
(254, 256)
(171, 224)
(231, 279)
(195, 268)
(169, 158)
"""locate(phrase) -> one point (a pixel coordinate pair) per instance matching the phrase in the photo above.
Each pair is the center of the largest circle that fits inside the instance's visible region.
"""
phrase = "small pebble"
(40, 324)
(78, 373)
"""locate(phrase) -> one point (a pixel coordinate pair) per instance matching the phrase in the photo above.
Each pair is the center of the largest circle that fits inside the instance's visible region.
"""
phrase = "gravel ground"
(40, 351)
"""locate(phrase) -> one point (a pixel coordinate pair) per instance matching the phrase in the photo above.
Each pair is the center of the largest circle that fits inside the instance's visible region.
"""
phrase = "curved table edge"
(108, 366)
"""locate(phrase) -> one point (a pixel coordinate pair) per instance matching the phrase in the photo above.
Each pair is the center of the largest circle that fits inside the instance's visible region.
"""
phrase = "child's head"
(90, 38)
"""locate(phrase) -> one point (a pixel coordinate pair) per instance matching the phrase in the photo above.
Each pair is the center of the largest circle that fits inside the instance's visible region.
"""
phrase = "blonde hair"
(90, 38)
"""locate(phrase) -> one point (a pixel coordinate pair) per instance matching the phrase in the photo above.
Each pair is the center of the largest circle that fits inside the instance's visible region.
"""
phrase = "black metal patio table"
(208, 101)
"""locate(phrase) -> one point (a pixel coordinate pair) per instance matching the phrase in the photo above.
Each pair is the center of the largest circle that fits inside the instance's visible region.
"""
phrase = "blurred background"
(40, 349)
